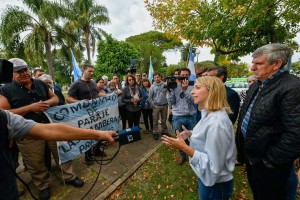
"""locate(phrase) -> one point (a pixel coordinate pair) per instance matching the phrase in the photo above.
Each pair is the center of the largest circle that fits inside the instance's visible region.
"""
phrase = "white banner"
(100, 114)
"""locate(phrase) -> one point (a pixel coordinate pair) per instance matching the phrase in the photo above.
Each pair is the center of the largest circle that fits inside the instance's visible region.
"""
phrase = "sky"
(130, 17)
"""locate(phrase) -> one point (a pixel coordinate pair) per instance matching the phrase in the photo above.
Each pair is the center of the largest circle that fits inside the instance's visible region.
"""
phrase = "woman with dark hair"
(146, 105)
(131, 96)
(100, 86)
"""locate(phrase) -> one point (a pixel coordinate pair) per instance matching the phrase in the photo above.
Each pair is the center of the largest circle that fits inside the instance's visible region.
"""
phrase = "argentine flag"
(76, 70)
(191, 66)
(151, 72)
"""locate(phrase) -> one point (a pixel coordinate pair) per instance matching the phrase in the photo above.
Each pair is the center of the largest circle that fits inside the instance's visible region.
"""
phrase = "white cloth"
(214, 144)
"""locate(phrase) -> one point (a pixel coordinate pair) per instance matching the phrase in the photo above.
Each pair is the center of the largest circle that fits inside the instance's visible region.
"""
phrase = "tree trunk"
(49, 55)
(87, 45)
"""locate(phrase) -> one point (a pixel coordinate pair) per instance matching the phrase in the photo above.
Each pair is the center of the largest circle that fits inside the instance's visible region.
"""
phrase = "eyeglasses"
(130, 79)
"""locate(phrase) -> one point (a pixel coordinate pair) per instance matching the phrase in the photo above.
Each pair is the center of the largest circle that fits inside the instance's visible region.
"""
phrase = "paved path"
(129, 158)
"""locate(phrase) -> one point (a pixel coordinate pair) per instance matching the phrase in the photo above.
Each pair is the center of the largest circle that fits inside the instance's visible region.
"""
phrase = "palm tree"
(86, 16)
(37, 29)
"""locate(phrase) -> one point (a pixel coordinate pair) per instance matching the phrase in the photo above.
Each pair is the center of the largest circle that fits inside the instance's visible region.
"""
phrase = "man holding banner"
(85, 89)
(30, 98)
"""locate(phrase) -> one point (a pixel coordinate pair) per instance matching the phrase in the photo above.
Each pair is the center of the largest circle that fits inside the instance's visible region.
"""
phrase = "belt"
(161, 105)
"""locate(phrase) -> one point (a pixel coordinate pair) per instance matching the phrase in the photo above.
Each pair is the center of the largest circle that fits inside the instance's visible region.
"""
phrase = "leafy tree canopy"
(296, 68)
(235, 28)
(41, 28)
(86, 18)
(114, 57)
(163, 41)
(153, 44)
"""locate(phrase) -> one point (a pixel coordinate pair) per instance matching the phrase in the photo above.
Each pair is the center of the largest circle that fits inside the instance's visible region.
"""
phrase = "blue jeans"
(219, 191)
(189, 121)
(292, 184)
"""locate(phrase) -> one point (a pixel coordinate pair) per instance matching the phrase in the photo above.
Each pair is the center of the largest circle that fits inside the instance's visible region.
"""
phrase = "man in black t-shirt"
(85, 89)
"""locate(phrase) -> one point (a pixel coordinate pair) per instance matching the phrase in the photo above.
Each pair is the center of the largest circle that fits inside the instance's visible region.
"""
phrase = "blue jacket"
(145, 97)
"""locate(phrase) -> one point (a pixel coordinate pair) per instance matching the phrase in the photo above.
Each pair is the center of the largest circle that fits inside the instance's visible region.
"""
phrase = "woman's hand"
(177, 143)
(185, 134)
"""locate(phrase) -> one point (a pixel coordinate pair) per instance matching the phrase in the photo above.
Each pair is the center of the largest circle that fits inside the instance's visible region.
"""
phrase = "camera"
(6, 71)
(171, 81)
(132, 67)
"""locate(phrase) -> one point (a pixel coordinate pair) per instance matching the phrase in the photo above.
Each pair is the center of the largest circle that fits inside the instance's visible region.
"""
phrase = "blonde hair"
(216, 99)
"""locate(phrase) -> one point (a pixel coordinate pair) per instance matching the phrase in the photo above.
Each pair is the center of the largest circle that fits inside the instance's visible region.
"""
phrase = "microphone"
(129, 135)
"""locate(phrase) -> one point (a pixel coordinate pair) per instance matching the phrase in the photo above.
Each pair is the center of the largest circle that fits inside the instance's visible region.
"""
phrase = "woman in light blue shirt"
(212, 146)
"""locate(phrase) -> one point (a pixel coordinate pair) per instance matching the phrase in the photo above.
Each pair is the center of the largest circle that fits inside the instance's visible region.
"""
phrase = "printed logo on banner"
(100, 114)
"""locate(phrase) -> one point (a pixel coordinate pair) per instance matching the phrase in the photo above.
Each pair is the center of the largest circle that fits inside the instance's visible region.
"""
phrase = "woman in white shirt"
(212, 146)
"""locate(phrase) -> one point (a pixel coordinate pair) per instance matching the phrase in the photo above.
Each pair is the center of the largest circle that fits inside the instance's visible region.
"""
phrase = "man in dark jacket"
(232, 96)
(269, 123)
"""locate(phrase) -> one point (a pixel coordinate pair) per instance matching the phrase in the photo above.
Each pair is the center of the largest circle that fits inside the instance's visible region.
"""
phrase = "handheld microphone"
(129, 135)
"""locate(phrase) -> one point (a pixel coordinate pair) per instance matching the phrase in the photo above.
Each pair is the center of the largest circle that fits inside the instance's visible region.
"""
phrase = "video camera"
(171, 81)
(6, 71)
(132, 67)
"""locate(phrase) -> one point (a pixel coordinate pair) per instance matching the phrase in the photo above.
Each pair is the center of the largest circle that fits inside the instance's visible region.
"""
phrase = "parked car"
(238, 86)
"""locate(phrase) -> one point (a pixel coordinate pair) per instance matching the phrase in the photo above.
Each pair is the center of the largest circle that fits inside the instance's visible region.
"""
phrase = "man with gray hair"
(269, 123)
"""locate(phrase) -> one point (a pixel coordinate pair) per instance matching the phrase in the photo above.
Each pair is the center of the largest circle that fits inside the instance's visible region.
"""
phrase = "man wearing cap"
(29, 98)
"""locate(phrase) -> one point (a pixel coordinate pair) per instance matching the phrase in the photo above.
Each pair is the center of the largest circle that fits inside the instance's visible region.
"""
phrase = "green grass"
(161, 178)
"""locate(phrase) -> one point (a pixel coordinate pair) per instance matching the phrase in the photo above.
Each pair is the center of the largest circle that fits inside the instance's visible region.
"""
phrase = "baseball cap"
(18, 64)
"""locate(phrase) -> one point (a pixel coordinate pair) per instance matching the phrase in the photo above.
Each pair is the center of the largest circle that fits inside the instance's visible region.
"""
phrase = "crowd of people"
(267, 136)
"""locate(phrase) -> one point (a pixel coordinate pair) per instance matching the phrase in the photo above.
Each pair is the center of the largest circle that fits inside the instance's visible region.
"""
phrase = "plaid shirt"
(248, 113)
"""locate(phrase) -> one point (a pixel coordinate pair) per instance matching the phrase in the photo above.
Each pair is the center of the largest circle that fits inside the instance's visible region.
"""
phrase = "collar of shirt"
(267, 81)
(22, 85)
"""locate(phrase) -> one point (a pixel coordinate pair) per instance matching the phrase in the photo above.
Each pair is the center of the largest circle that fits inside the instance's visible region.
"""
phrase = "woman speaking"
(212, 147)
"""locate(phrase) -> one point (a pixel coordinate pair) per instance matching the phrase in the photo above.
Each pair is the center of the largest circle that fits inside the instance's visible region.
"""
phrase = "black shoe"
(155, 136)
(180, 160)
(77, 182)
(44, 194)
